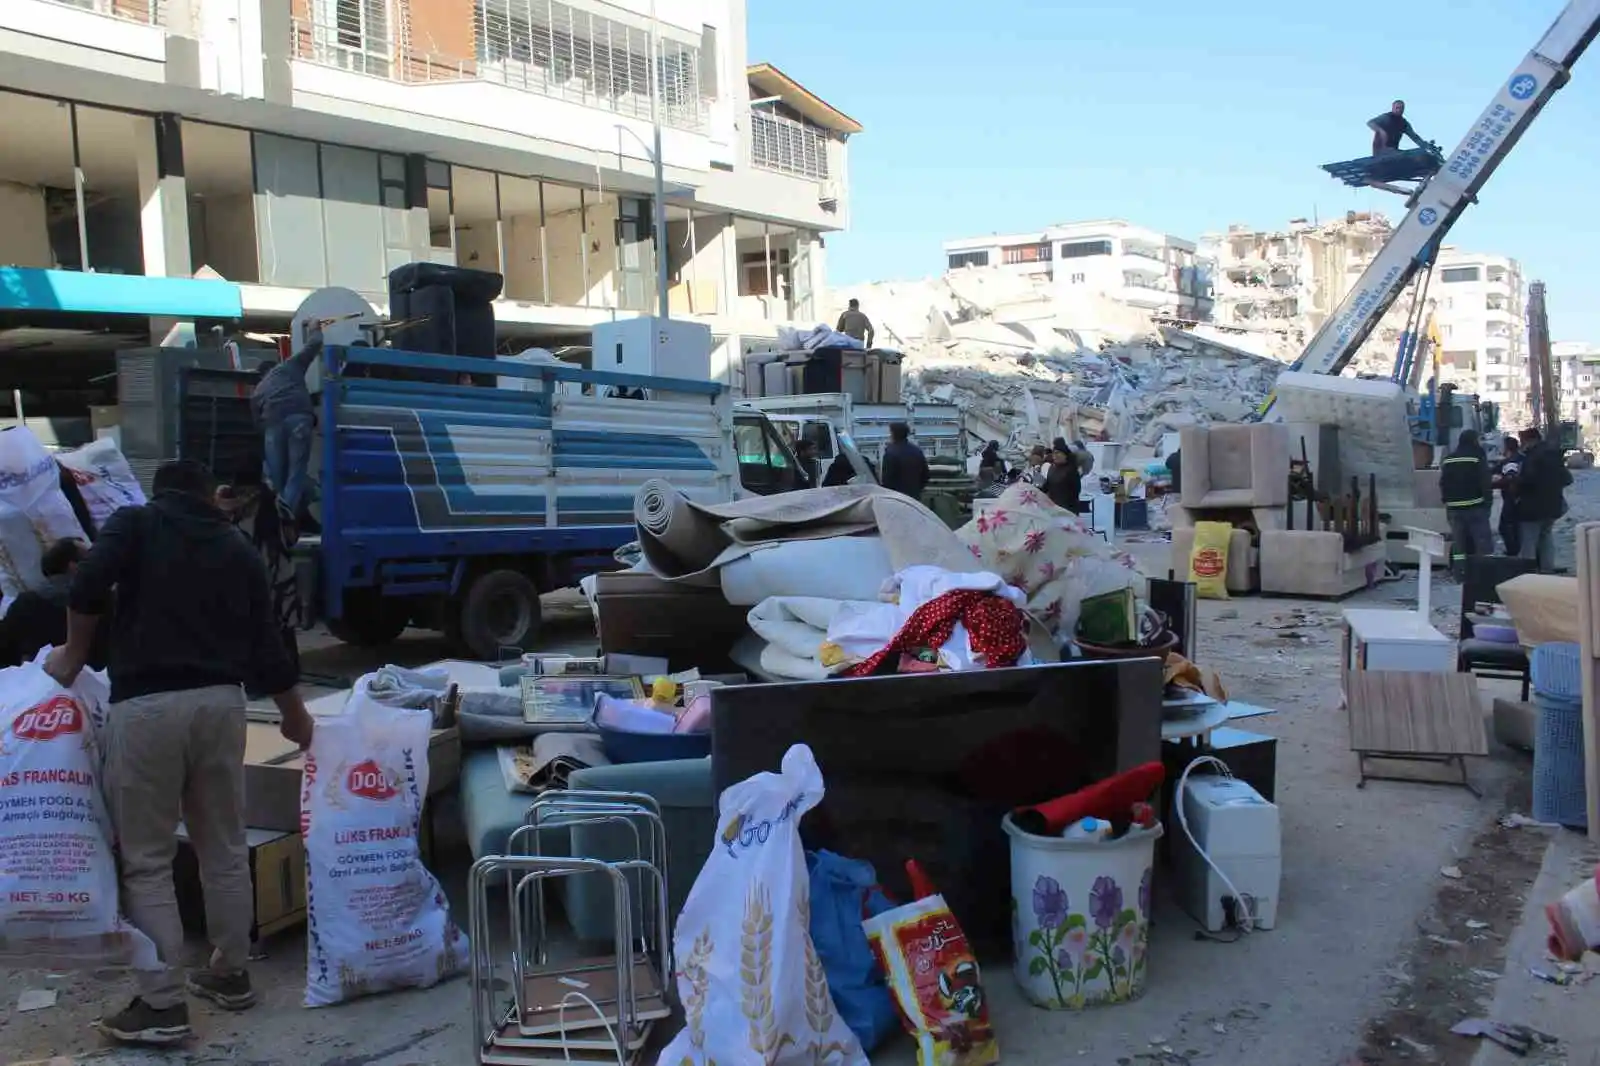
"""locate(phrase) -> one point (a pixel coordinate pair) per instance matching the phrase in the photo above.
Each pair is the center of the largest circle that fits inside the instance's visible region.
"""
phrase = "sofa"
(1242, 559)
(1235, 466)
(1305, 562)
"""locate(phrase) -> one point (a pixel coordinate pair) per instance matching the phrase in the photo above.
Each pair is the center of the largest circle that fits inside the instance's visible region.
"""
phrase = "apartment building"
(1578, 386)
(212, 162)
(1480, 304)
(1285, 283)
(1131, 264)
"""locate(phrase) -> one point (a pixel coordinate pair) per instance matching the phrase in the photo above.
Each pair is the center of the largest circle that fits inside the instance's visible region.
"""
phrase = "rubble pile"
(1027, 363)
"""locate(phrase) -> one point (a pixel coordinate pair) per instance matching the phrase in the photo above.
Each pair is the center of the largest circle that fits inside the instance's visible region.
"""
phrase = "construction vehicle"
(1544, 385)
(1444, 195)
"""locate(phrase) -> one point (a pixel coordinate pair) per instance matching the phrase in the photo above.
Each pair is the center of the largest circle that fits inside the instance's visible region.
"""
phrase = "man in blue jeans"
(281, 404)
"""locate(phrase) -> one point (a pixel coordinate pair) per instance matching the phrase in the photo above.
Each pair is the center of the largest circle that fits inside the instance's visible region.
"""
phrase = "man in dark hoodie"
(904, 468)
(193, 624)
(1541, 498)
(284, 413)
(1464, 482)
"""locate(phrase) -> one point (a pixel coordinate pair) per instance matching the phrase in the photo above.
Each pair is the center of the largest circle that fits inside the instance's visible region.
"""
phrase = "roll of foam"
(835, 568)
(692, 538)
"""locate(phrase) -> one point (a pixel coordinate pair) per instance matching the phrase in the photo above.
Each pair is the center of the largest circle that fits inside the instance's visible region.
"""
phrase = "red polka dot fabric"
(995, 627)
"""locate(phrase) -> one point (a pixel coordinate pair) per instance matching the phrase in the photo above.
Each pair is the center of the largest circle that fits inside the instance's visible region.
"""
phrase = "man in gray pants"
(193, 623)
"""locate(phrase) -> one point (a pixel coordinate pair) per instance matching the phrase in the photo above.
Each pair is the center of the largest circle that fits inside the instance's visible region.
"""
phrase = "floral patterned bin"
(1080, 916)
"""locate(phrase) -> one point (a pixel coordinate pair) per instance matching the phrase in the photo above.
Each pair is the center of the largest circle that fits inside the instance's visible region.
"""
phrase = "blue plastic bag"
(844, 893)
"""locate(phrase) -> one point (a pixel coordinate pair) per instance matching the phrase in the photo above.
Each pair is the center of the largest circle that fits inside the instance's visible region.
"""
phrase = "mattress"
(1374, 435)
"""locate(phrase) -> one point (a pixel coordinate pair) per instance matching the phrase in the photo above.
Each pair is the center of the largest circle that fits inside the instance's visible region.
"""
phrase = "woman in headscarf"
(1063, 484)
(991, 468)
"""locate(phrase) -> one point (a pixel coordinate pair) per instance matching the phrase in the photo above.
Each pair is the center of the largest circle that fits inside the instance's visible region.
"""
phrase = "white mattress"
(1374, 436)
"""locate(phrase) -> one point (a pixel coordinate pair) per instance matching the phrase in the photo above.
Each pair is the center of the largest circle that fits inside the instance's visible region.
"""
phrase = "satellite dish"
(345, 312)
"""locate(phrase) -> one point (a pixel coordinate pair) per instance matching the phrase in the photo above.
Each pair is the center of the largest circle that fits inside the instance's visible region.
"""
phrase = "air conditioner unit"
(828, 195)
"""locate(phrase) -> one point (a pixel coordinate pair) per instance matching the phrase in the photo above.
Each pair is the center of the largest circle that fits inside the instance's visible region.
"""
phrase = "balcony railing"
(544, 47)
(778, 142)
(147, 12)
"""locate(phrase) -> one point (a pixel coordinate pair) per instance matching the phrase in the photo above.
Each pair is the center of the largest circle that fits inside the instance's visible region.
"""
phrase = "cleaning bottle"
(1087, 829)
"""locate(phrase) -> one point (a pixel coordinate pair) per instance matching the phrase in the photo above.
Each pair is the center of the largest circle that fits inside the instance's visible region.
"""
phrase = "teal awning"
(30, 289)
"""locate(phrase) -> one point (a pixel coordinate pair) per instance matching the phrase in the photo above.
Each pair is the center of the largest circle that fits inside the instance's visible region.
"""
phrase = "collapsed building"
(1027, 364)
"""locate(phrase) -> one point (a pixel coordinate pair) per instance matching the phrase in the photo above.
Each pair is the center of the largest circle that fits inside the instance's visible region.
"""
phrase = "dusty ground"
(1371, 962)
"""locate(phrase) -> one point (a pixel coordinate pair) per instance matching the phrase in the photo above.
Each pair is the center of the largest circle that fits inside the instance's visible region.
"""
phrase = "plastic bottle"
(1087, 829)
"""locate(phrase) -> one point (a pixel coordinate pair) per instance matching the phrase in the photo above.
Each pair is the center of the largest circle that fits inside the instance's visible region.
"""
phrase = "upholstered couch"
(1230, 466)
(1304, 562)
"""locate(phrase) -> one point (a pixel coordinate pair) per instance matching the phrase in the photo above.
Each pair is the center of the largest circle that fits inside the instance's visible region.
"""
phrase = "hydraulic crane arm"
(1438, 204)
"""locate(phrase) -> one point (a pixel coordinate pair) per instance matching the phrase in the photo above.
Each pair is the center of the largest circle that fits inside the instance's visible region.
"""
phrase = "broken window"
(968, 259)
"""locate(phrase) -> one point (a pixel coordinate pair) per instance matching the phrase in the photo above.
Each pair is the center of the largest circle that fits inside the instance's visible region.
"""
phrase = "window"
(353, 35)
(565, 52)
(1451, 275)
(1085, 249)
(1026, 253)
(789, 145)
(1079, 279)
(968, 259)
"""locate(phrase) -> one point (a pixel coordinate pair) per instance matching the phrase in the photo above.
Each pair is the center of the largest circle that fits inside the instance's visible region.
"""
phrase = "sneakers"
(230, 991)
(141, 1023)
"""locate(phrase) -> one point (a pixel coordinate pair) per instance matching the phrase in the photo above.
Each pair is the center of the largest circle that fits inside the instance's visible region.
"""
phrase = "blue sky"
(1009, 115)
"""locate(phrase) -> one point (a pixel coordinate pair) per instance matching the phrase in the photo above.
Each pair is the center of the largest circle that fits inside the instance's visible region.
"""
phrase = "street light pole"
(660, 206)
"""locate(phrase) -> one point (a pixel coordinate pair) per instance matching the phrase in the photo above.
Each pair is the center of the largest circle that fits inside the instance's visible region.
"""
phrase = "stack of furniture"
(1238, 474)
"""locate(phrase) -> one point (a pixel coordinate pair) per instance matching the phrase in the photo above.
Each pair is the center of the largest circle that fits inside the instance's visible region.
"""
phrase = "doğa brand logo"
(56, 716)
(370, 781)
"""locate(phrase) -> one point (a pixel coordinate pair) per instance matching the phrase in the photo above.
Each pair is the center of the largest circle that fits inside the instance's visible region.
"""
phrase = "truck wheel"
(370, 619)
(500, 610)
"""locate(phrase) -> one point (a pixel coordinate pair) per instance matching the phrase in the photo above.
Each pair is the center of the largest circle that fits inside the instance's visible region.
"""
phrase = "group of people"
(1532, 477)
(1059, 470)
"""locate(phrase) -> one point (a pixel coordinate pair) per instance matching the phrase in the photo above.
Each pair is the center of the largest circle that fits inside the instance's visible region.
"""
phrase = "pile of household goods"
(377, 918)
(45, 497)
(858, 580)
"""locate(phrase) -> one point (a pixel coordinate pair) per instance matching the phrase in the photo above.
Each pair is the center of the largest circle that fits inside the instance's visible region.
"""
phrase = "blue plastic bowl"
(622, 746)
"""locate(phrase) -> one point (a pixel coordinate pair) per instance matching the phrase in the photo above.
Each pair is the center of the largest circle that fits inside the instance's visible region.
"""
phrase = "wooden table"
(1406, 700)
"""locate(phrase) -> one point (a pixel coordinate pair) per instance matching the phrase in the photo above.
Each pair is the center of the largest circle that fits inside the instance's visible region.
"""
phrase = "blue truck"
(454, 506)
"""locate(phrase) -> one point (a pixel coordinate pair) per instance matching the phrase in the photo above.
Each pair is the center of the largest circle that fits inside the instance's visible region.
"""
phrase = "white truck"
(821, 418)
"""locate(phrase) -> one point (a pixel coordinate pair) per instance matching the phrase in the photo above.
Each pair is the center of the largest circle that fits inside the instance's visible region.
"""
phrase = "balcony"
(145, 12)
(543, 47)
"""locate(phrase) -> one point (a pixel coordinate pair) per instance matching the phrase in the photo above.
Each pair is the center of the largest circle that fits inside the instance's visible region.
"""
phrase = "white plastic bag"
(376, 918)
(58, 880)
(104, 478)
(752, 987)
(33, 511)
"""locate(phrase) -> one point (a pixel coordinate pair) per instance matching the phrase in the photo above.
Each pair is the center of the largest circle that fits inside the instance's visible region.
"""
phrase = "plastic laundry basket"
(1080, 916)
(1558, 772)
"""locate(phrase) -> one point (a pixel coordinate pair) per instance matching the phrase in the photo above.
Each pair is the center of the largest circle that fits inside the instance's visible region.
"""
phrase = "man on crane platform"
(1389, 127)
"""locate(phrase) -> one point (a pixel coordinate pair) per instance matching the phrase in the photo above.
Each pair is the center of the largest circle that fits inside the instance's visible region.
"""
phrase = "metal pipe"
(660, 211)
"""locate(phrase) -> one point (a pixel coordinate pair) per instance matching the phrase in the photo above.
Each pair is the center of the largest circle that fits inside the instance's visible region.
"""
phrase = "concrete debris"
(1452, 872)
(1027, 362)
(33, 999)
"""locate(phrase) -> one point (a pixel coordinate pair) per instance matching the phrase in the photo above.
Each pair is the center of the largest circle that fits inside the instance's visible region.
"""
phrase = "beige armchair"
(1229, 466)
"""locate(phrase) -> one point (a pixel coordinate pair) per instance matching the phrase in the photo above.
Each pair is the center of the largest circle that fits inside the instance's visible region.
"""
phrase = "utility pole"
(659, 214)
(1541, 369)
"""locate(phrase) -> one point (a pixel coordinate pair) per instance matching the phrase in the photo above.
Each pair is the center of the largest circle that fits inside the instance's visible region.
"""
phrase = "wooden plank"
(1588, 552)
(1402, 713)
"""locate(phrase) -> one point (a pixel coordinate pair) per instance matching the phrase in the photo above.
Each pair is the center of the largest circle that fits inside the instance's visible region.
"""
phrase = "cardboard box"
(272, 768)
(277, 874)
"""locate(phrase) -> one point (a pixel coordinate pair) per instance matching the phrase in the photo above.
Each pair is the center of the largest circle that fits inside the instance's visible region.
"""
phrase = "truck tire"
(500, 610)
(370, 619)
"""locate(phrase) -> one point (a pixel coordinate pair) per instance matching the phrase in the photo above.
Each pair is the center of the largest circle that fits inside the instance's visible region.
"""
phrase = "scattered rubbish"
(1522, 821)
(1219, 1028)
(35, 999)
(1550, 978)
(1473, 923)
(1487, 975)
(1452, 872)
(1518, 1039)
(1415, 1045)
(1446, 942)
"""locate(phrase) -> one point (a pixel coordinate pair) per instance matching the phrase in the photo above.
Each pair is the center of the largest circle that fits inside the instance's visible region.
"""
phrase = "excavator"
(1443, 193)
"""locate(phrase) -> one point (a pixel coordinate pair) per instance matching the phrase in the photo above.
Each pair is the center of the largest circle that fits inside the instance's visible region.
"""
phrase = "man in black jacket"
(1464, 482)
(905, 468)
(193, 624)
(1505, 479)
(1540, 499)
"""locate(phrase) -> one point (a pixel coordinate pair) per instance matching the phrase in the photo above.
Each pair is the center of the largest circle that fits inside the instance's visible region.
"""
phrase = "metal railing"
(544, 47)
(146, 12)
(780, 143)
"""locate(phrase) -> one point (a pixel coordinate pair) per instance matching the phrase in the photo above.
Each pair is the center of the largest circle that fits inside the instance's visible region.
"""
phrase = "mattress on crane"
(1374, 436)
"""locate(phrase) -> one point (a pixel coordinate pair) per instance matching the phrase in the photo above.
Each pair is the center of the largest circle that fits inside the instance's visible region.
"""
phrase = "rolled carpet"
(678, 537)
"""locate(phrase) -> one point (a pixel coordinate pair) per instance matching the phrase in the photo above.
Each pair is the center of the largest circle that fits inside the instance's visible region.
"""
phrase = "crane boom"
(1438, 204)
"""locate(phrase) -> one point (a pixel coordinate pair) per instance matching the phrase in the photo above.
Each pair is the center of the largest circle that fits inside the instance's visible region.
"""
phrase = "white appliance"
(663, 347)
(1240, 832)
